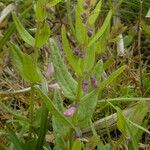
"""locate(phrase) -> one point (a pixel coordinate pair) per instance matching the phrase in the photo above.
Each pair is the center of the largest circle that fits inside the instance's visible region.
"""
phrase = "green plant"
(82, 83)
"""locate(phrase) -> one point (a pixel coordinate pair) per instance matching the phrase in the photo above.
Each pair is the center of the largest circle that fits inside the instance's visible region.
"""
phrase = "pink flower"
(53, 86)
(70, 111)
(50, 71)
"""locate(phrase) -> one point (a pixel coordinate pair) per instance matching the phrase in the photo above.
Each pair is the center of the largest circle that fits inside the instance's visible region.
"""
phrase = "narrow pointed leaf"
(53, 3)
(111, 78)
(23, 32)
(95, 13)
(69, 53)
(41, 10)
(90, 56)
(43, 35)
(80, 27)
(53, 110)
(13, 137)
(102, 29)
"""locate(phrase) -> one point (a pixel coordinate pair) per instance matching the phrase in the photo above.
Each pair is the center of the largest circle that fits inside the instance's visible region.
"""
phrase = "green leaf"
(11, 29)
(102, 29)
(97, 70)
(53, 110)
(121, 124)
(64, 78)
(53, 3)
(43, 35)
(69, 54)
(29, 144)
(59, 127)
(95, 13)
(86, 108)
(125, 127)
(89, 56)
(41, 10)
(22, 31)
(111, 78)
(77, 145)
(24, 63)
(14, 139)
(102, 42)
(80, 28)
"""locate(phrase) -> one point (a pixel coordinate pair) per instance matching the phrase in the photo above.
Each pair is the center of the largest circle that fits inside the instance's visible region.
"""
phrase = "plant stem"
(43, 128)
(31, 108)
(79, 88)
(139, 50)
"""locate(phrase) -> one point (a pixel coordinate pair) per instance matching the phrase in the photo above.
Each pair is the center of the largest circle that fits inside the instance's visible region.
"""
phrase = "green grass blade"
(13, 137)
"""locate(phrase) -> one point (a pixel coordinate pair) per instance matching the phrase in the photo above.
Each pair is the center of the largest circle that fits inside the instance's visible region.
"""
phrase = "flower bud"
(83, 15)
(104, 58)
(50, 71)
(85, 86)
(70, 111)
(53, 86)
(82, 54)
(93, 82)
(76, 51)
(89, 32)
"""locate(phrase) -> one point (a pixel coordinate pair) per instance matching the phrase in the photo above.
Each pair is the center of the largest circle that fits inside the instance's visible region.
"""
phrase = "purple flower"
(104, 58)
(82, 54)
(77, 135)
(85, 86)
(47, 48)
(89, 32)
(93, 82)
(70, 111)
(84, 17)
(76, 51)
(50, 71)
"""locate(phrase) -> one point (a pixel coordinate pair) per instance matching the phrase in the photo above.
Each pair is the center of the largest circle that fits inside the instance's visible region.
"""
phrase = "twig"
(111, 122)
